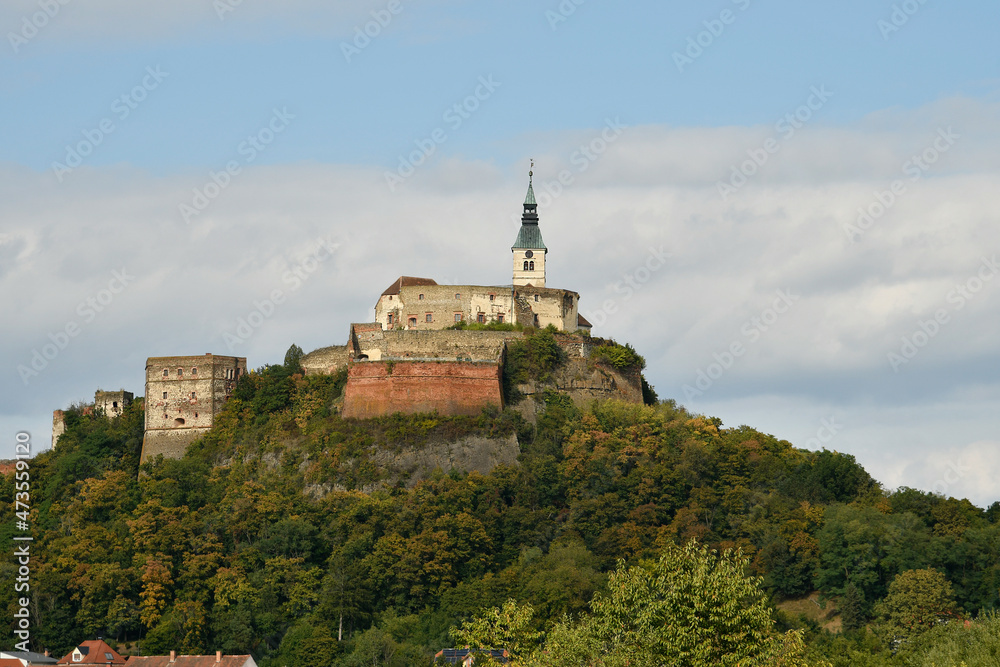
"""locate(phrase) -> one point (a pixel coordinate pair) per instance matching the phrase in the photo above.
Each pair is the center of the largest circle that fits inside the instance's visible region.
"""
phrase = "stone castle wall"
(436, 307)
(183, 395)
(376, 388)
(58, 426)
(326, 360)
(447, 345)
(112, 403)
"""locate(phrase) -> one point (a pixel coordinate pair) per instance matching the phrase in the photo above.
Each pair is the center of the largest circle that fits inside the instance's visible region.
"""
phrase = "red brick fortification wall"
(377, 388)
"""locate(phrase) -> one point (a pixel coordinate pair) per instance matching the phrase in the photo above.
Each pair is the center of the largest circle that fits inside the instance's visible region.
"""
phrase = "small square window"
(180, 372)
(193, 395)
(164, 394)
(481, 318)
(389, 318)
(492, 297)
(194, 371)
(458, 317)
(536, 298)
(165, 372)
(421, 297)
(413, 321)
(458, 296)
(500, 318)
(428, 317)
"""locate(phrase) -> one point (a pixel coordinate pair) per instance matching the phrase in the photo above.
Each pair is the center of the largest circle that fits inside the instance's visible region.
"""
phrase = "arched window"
(531, 266)
(390, 318)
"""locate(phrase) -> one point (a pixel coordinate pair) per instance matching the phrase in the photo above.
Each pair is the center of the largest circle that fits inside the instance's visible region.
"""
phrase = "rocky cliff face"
(471, 453)
(584, 381)
(412, 465)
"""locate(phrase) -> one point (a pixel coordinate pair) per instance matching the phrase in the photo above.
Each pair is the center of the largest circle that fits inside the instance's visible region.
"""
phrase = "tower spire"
(530, 206)
(529, 249)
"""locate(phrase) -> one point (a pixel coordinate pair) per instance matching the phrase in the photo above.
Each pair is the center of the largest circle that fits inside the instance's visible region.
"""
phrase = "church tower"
(529, 249)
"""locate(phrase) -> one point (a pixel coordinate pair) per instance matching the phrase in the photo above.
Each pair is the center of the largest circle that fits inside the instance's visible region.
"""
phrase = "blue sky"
(163, 95)
(603, 59)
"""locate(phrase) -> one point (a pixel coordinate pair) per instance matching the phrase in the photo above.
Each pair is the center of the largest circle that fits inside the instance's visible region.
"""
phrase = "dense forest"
(279, 535)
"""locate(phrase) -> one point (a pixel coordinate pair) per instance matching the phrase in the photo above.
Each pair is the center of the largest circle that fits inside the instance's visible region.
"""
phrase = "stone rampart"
(376, 388)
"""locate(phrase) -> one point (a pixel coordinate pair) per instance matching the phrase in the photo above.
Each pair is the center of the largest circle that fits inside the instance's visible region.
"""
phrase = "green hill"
(262, 540)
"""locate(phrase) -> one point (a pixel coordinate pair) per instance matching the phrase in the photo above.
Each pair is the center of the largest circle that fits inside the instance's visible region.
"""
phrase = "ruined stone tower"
(183, 395)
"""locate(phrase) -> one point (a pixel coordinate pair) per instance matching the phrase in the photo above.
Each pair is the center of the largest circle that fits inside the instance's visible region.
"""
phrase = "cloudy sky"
(787, 207)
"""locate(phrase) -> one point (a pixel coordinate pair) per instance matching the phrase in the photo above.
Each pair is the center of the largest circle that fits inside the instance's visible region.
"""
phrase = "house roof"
(192, 661)
(10, 662)
(581, 321)
(95, 652)
(406, 281)
(454, 656)
(31, 657)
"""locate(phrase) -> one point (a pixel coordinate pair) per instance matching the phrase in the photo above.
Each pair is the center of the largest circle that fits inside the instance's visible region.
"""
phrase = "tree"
(507, 628)
(853, 608)
(692, 607)
(293, 358)
(917, 601)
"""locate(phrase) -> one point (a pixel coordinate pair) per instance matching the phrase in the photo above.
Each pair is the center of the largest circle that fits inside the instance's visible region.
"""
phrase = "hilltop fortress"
(412, 358)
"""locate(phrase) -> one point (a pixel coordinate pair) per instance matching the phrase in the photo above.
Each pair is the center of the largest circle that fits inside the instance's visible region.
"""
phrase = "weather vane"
(531, 171)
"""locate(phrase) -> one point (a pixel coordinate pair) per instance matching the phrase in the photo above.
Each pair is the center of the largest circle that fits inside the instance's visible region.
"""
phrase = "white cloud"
(454, 221)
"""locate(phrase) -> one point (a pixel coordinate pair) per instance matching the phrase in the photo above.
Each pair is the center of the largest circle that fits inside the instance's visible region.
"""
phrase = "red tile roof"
(581, 321)
(407, 281)
(192, 661)
(95, 652)
(10, 662)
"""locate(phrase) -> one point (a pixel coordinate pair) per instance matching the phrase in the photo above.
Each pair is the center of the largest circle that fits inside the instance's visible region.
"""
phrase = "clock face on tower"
(529, 254)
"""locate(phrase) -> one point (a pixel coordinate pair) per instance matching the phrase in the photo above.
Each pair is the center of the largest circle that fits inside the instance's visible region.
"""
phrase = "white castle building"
(421, 304)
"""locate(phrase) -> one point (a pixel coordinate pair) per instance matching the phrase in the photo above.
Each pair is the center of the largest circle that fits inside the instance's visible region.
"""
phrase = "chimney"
(173, 656)
(46, 653)
(218, 656)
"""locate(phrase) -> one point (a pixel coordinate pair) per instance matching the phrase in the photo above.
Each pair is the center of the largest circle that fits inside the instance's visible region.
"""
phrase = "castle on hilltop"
(411, 359)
